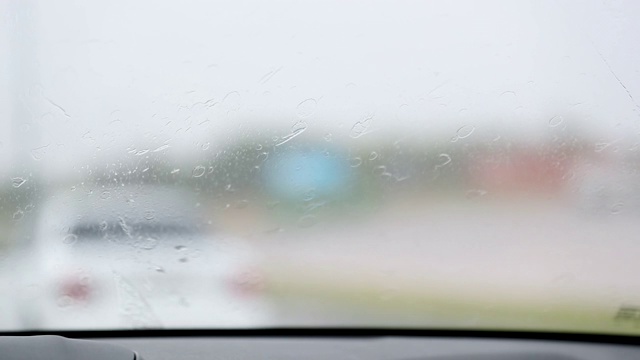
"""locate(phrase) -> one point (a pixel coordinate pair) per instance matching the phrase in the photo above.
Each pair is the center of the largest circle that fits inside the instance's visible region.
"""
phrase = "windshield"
(242, 164)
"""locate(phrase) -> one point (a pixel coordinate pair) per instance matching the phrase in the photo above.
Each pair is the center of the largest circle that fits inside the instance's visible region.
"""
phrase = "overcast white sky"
(101, 78)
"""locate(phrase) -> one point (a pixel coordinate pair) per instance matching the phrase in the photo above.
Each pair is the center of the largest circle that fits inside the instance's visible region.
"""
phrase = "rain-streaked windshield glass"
(215, 164)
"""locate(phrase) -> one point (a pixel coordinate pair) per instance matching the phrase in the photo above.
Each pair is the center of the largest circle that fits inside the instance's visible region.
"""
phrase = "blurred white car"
(137, 257)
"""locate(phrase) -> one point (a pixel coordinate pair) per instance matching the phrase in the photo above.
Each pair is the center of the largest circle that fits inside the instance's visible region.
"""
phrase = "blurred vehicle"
(137, 256)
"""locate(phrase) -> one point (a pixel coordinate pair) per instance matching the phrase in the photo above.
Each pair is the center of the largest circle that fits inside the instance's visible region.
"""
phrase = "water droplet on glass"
(232, 100)
(309, 195)
(38, 153)
(599, 147)
(327, 137)
(241, 204)
(307, 221)
(17, 215)
(617, 208)
(556, 121)
(142, 152)
(180, 247)
(306, 108)
(159, 269)
(465, 131)
(380, 170)
(70, 239)
(73, 188)
(103, 225)
(64, 301)
(355, 162)
(149, 214)
(444, 160)
(509, 93)
(205, 146)
(298, 126)
(183, 260)
(373, 155)
(259, 147)
(360, 128)
(147, 243)
(263, 156)
(16, 182)
(195, 253)
(163, 147)
(475, 193)
(105, 195)
(297, 129)
(175, 171)
(199, 171)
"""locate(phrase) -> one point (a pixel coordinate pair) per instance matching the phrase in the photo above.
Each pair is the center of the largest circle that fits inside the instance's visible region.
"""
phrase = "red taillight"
(247, 283)
(77, 288)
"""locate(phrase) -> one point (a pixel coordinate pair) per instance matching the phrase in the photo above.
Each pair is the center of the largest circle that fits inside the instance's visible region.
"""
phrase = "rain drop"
(360, 128)
(308, 196)
(232, 101)
(64, 301)
(38, 153)
(16, 182)
(198, 171)
(18, 215)
(373, 156)
(307, 221)
(475, 193)
(556, 121)
(149, 214)
(241, 204)
(599, 147)
(355, 162)
(617, 208)
(205, 146)
(105, 195)
(306, 108)
(70, 239)
(379, 170)
(465, 131)
(147, 244)
(445, 159)
(263, 156)
(195, 253)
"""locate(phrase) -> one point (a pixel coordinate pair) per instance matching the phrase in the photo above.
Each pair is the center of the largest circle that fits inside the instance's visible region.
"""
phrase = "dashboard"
(199, 346)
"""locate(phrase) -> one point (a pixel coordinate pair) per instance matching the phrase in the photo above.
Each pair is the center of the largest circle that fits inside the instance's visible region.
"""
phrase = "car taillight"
(77, 288)
(247, 283)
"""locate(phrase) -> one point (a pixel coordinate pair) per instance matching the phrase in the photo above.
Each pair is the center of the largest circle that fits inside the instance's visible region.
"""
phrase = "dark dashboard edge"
(339, 333)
